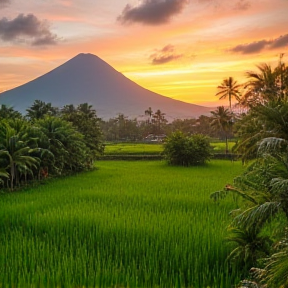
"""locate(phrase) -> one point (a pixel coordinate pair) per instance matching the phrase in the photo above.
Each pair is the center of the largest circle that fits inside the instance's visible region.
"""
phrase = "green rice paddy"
(126, 224)
(133, 149)
(152, 149)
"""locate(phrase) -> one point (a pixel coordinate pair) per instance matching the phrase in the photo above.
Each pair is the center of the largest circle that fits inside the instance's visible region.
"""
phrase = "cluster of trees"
(47, 141)
(259, 228)
(121, 128)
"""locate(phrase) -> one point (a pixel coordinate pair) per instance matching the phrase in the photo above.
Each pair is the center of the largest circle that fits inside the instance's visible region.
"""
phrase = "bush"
(180, 149)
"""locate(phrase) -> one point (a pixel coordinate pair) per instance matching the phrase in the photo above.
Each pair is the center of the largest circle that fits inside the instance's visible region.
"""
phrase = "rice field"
(133, 149)
(152, 149)
(126, 224)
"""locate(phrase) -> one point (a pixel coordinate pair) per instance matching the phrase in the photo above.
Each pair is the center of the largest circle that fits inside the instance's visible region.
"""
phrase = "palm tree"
(250, 245)
(15, 153)
(68, 109)
(261, 86)
(87, 110)
(266, 85)
(221, 120)
(264, 189)
(262, 121)
(229, 88)
(276, 274)
(68, 151)
(149, 112)
(8, 112)
(159, 120)
(39, 109)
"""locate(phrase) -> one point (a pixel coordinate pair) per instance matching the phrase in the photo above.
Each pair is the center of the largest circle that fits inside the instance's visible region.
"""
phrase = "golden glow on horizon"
(201, 37)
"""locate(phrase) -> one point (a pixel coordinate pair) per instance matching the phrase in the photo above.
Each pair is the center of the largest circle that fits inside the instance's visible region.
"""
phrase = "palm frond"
(257, 215)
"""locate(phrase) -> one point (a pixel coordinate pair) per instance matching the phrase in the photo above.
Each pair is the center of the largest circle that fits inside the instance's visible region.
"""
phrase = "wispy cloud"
(249, 48)
(258, 46)
(27, 27)
(164, 55)
(152, 12)
(279, 42)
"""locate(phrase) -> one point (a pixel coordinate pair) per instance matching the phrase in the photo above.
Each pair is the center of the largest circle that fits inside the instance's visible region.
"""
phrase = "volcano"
(87, 78)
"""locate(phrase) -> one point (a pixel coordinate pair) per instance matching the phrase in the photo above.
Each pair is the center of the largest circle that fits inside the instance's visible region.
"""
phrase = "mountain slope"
(87, 78)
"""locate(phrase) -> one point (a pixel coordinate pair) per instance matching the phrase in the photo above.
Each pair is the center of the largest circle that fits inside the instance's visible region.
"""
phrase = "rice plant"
(126, 224)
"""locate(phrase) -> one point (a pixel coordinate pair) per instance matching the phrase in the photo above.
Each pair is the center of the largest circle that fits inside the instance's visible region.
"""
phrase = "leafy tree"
(266, 85)
(39, 109)
(262, 121)
(159, 120)
(85, 120)
(8, 112)
(68, 151)
(275, 273)
(264, 189)
(266, 98)
(229, 89)
(183, 150)
(249, 246)
(263, 186)
(15, 152)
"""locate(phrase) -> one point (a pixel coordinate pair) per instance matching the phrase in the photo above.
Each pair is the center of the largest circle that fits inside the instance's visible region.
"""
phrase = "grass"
(133, 149)
(131, 224)
(152, 149)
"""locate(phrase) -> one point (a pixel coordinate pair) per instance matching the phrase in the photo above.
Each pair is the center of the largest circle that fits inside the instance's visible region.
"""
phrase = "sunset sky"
(178, 48)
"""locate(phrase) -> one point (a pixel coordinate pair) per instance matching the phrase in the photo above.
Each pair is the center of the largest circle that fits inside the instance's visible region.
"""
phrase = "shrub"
(180, 149)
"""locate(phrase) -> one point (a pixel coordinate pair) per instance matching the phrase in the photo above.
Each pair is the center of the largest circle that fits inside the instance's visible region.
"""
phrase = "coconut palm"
(276, 270)
(39, 109)
(221, 120)
(249, 245)
(159, 120)
(8, 112)
(87, 110)
(15, 152)
(149, 112)
(261, 86)
(68, 151)
(229, 88)
(264, 189)
(262, 121)
(266, 85)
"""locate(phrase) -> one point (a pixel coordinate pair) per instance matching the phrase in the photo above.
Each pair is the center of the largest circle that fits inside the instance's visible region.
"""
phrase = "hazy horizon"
(180, 49)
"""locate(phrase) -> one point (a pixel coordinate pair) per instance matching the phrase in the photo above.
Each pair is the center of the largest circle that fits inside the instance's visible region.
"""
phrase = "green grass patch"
(133, 149)
(127, 224)
(220, 147)
(152, 149)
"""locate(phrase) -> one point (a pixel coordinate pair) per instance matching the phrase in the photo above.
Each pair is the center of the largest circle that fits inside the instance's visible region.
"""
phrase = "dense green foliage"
(259, 227)
(136, 224)
(180, 149)
(121, 128)
(41, 144)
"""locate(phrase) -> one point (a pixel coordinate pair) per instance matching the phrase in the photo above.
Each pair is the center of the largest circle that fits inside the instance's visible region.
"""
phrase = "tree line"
(47, 141)
(122, 128)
